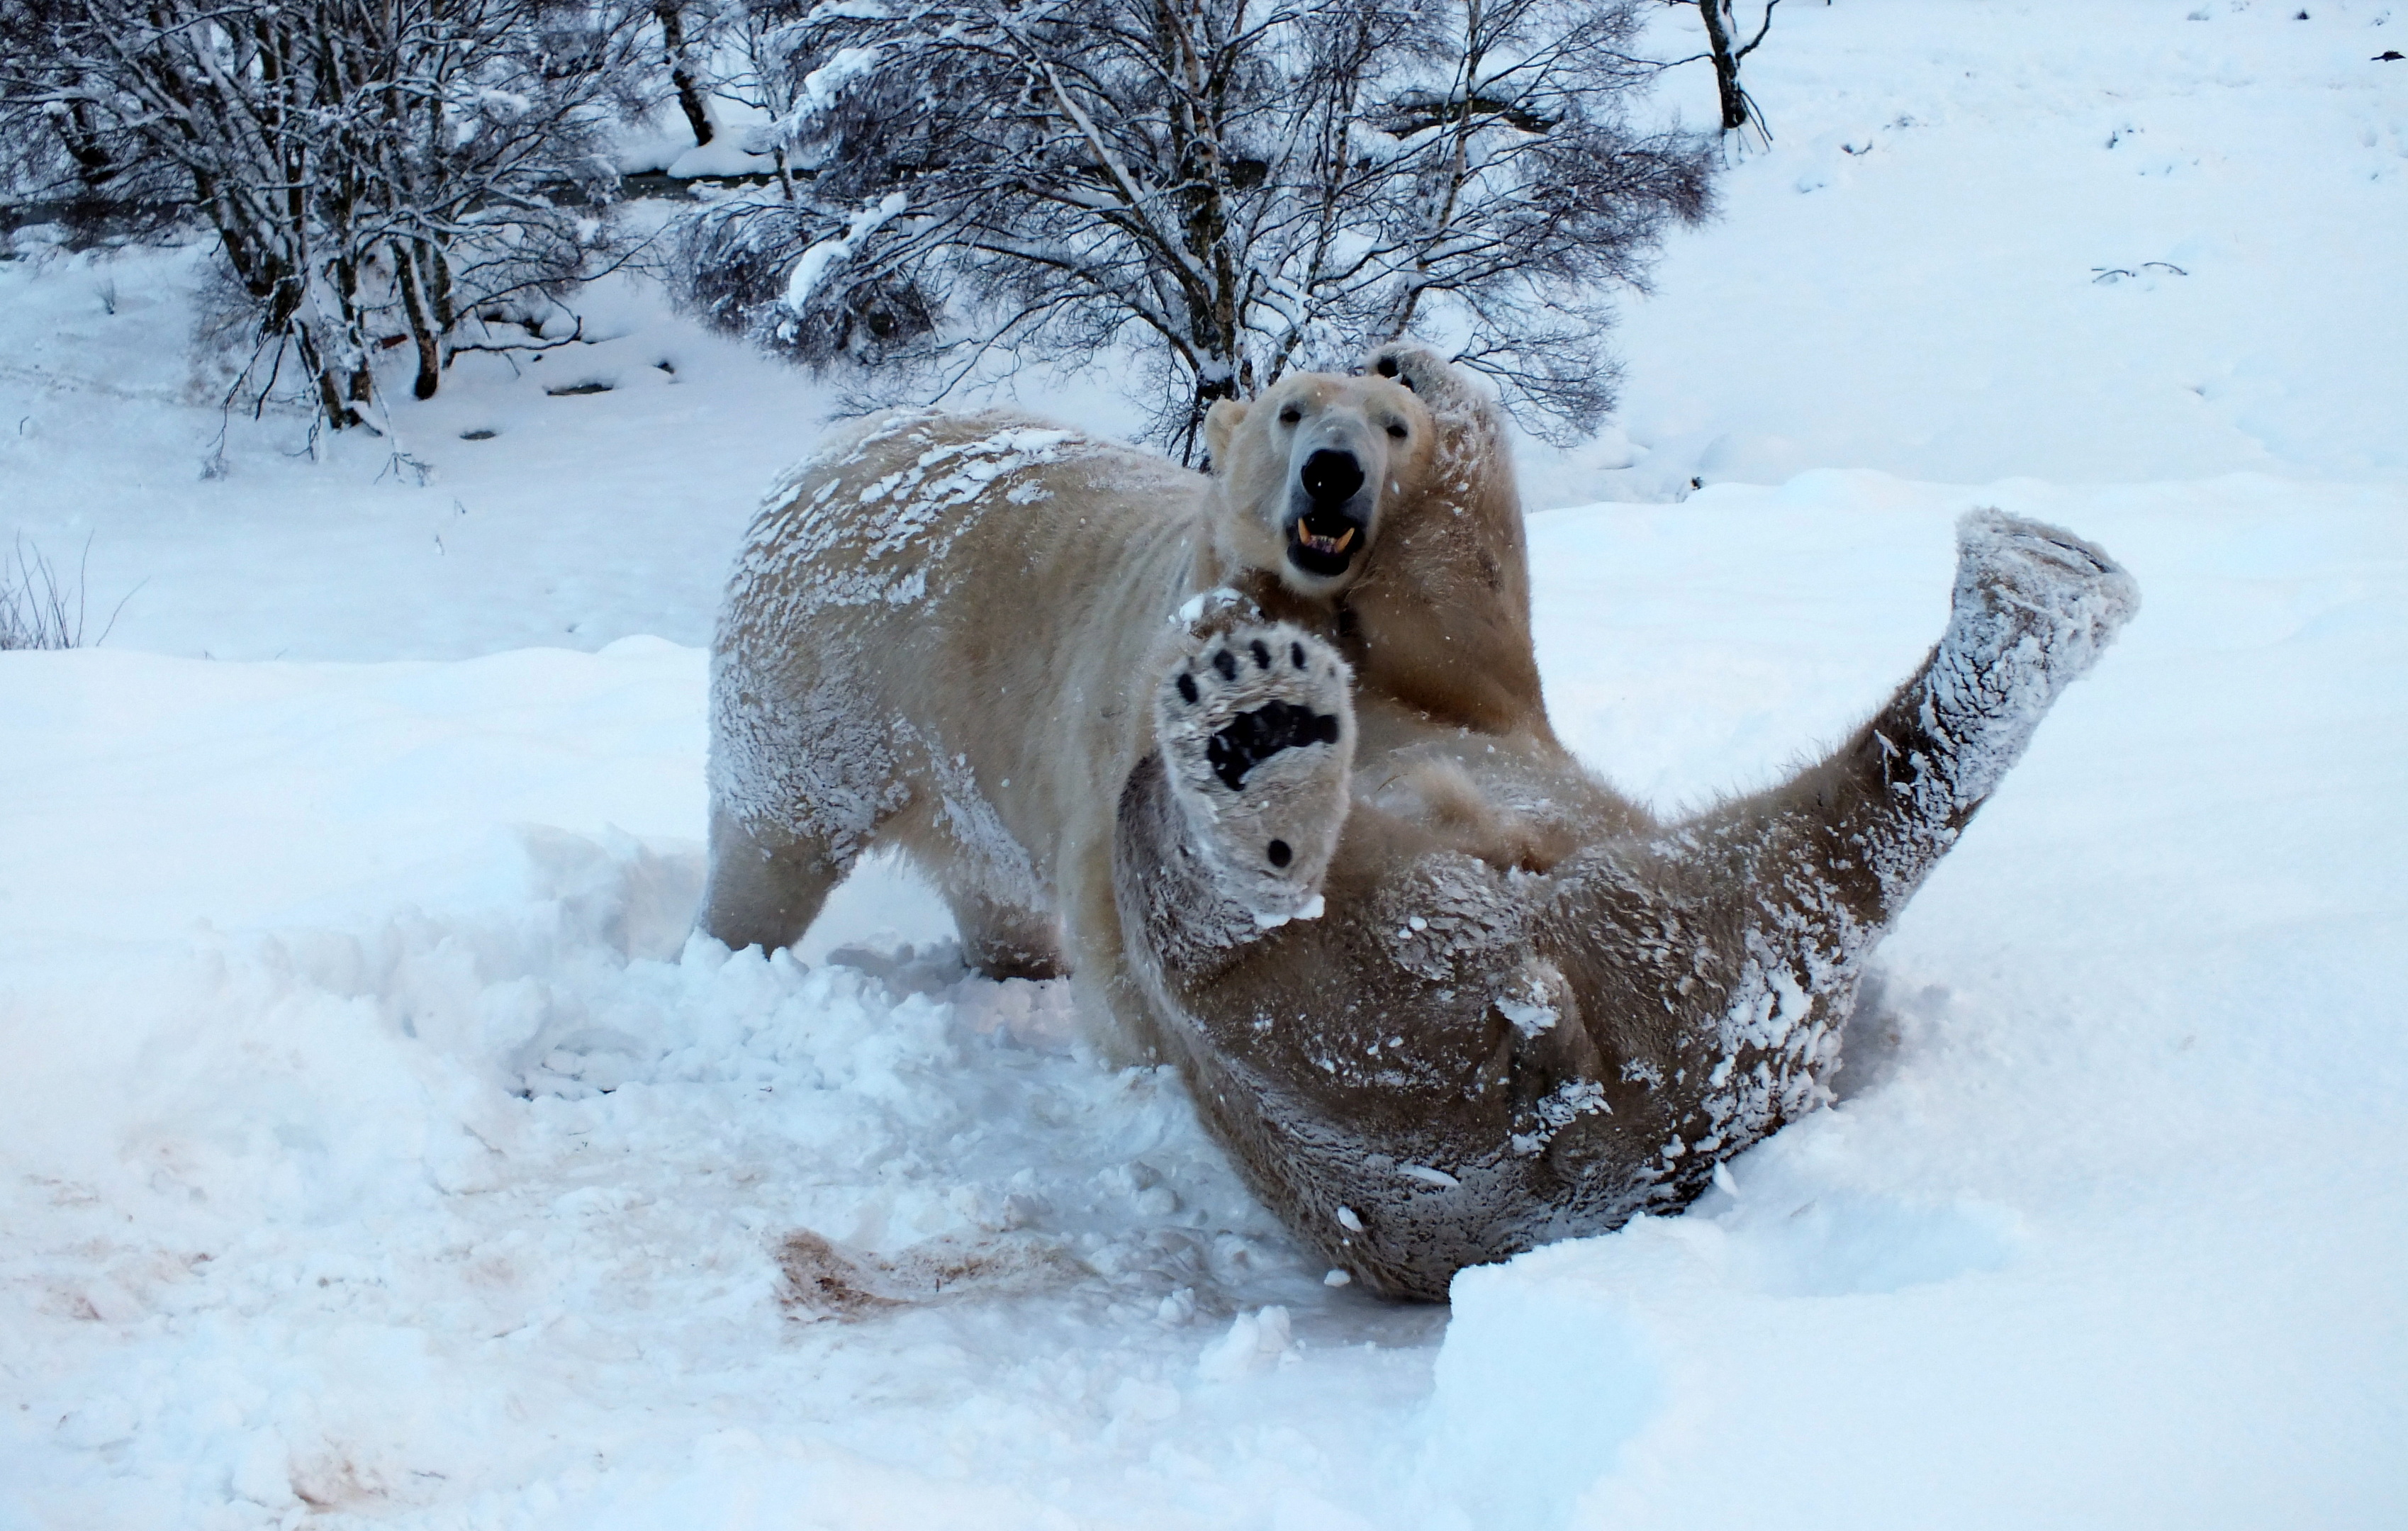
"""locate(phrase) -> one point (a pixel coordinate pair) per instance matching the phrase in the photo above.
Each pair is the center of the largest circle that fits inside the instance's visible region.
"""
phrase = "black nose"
(1332, 477)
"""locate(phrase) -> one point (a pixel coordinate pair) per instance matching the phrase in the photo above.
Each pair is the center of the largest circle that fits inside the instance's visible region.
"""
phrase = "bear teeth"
(1326, 544)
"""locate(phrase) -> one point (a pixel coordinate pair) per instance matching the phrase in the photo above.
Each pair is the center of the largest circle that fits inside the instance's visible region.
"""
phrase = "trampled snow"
(379, 1148)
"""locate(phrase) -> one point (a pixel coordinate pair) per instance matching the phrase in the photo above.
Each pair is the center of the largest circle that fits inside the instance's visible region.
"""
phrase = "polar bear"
(932, 637)
(1442, 993)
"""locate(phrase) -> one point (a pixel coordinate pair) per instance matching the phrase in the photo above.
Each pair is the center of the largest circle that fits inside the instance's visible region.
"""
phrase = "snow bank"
(1925, 272)
(379, 1144)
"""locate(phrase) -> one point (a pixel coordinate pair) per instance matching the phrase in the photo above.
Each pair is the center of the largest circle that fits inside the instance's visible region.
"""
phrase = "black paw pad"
(1252, 737)
(1187, 689)
(1295, 652)
(1226, 664)
(1279, 853)
(1262, 655)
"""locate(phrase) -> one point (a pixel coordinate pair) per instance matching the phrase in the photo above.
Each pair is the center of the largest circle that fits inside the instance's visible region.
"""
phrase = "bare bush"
(39, 611)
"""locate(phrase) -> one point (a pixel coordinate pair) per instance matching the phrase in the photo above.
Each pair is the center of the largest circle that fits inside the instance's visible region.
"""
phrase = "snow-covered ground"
(377, 1149)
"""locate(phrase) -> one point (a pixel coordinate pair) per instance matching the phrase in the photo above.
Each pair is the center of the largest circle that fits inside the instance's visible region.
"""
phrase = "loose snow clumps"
(1262, 760)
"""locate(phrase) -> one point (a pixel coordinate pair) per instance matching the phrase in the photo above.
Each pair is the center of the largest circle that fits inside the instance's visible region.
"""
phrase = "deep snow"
(378, 1149)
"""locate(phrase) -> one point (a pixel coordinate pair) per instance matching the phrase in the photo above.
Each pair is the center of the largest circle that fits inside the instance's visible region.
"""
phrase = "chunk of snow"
(1255, 1342)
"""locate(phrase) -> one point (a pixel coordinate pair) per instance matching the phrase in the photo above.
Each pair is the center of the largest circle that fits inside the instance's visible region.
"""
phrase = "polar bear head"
(1306, 471)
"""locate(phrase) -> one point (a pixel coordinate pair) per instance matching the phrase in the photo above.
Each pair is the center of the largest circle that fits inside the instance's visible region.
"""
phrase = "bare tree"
(378, 172)
(1249, 185)
(757, 42)
(1728, 52)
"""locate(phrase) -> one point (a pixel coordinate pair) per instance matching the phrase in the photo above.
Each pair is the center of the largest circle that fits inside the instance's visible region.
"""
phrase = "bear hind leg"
(1758, 916)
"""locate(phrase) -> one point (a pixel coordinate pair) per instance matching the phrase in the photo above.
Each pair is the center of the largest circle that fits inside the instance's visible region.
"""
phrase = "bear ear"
(1221, 423)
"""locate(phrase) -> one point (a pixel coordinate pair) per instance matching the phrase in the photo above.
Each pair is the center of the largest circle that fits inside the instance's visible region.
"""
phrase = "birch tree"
(1728, 52)
(1236, 188)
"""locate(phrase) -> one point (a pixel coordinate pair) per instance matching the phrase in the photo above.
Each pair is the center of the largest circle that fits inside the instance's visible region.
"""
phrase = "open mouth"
(1323, 541)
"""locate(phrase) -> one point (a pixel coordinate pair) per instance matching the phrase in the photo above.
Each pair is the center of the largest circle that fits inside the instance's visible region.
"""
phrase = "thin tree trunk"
(92, 163)
(338, 416)
(1209, 391)
(430, 349)
(689, 90)
(447, 314)
(1718, 41)
(347, 293)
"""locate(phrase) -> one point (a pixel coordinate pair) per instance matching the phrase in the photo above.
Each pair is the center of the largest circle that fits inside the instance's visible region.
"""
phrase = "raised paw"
(1257, 733)
(2039, 588)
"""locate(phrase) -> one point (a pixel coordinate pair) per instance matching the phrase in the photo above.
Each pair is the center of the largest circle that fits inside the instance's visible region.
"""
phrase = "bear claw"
(1257, 735)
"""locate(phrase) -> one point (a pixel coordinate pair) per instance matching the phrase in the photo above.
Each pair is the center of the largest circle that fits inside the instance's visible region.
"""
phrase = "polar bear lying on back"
(1262, 759)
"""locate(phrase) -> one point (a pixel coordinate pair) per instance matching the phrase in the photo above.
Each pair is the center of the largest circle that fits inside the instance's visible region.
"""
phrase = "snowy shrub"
(737, 266)
(1241, 190)
(378, 172)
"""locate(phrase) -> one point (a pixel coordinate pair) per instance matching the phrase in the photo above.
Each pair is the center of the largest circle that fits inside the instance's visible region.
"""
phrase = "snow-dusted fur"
(1478, 1002)
(949, 634)
(1468, 1055)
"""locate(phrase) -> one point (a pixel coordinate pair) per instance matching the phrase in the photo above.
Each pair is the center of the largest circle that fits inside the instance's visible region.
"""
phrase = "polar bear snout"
(1330, 513)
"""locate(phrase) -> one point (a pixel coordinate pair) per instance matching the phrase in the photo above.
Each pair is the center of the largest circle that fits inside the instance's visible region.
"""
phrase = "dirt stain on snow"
(824, 1281)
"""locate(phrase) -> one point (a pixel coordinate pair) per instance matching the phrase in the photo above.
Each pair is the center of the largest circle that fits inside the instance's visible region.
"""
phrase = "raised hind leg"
(1716, 964)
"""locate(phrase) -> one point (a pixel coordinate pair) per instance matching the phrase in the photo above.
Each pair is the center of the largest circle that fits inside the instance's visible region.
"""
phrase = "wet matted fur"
(1304, 830)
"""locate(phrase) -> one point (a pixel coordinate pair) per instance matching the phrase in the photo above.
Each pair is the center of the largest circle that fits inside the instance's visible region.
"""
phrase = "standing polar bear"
(1261, 758)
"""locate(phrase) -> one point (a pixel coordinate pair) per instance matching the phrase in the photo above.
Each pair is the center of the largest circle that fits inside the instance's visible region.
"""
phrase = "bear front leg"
(1256, 733)
(1717, 962)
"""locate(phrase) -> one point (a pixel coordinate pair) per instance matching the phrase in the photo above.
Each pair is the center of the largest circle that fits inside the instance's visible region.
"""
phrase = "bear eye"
(1290, 415)
(1396, 429)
